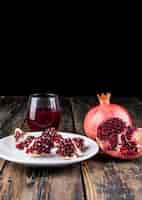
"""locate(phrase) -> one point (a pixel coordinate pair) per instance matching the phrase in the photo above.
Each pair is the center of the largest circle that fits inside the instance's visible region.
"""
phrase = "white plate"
(9, 152)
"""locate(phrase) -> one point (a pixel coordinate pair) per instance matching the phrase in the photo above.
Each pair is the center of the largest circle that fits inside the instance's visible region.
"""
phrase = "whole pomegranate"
(117, 139)
(102, 112)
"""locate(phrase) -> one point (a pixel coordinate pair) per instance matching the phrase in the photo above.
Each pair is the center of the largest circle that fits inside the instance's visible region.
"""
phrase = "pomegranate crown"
(104, 98)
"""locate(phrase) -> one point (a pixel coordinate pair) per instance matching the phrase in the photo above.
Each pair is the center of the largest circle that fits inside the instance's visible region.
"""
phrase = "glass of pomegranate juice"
(43, 111)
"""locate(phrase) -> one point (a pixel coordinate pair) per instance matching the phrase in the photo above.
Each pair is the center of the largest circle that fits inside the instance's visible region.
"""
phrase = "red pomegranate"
(117, 139)
(102, 112)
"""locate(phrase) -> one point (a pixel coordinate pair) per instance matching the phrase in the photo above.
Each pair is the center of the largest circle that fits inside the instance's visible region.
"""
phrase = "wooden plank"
(8, 109)
(2, 164)
(105, 177)
(5, 183)
(16, 121)
(66, 183)
(13, 183)
(66, 123)
(12, 176)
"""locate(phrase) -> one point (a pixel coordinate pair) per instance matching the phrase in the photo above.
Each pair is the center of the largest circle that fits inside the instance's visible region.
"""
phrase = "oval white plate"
(9, 152)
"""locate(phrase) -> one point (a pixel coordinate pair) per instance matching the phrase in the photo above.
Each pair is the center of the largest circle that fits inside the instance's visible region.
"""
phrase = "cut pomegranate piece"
(43, 144)
(100, 113)
(79, 142)
(18, 133)
(25, 143)
(53, 135)
(20, 145)
(119, 140)
(66, 148)
(39, 146)
(70, 147)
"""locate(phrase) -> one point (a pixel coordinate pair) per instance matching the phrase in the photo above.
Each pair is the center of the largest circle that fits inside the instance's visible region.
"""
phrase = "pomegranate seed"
(129, 132)
(113, 142)
(128, 151)
(123, 140)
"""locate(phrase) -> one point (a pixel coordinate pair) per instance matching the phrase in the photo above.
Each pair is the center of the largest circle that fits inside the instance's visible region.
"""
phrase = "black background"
(72, 66)
(80, 56)
(68, 81)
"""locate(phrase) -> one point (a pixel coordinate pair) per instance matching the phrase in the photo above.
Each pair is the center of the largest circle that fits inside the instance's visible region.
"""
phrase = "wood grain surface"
(100, 178)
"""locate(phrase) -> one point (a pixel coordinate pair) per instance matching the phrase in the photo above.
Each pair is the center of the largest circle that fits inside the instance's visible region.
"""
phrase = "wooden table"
(100, 178)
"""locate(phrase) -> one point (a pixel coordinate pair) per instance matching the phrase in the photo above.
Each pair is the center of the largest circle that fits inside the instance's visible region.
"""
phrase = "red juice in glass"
(43, 112)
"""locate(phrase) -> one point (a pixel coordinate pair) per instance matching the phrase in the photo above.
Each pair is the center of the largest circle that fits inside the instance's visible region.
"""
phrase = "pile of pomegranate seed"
(54, 137)
(66, 148)
(41, 145)
(48, 140)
